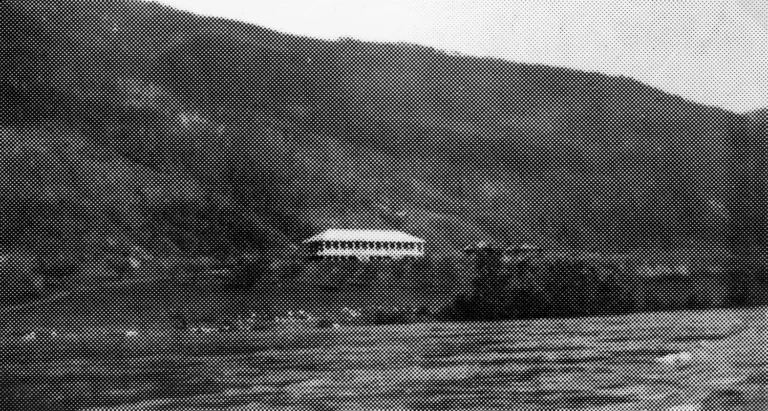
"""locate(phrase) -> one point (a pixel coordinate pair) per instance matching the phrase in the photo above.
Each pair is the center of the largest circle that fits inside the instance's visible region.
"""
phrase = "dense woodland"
(133, 131)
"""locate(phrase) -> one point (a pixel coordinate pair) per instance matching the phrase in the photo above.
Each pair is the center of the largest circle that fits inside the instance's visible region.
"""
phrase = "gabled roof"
(384, 236)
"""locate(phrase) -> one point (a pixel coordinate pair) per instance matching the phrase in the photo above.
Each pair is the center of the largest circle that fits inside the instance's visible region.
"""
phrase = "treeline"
(463, 288)
(261, 288)
(566, 287)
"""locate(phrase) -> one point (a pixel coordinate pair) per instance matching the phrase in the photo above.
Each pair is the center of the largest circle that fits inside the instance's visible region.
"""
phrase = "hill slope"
(210, 137)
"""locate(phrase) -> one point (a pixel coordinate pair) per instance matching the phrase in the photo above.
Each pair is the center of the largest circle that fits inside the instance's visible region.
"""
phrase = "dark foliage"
(566, 286)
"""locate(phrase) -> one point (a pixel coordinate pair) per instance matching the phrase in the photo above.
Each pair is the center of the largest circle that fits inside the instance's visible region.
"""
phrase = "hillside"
(126, 124)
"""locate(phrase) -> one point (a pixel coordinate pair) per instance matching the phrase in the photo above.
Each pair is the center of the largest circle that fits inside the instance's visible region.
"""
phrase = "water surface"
(594, 363)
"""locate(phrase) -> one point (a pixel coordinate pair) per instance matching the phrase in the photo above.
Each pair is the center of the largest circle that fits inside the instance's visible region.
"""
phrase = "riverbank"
(329, 293)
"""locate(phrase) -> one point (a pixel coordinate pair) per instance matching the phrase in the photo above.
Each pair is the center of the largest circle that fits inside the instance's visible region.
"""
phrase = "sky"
(711, 52)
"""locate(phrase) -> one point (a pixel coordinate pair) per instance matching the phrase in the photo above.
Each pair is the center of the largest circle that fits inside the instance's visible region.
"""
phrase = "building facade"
(363, 245)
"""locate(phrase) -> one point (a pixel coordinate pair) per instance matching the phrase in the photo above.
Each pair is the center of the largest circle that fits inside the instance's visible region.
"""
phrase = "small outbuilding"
(490, 256)
(363, 245)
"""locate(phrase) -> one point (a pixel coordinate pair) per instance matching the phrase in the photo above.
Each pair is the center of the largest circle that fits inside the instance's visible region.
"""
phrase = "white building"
(363, 245)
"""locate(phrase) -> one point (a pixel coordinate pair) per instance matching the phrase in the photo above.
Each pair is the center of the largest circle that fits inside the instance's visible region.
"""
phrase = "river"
(602, 363)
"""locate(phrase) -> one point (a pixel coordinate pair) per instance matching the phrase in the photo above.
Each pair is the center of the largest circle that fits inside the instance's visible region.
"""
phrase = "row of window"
(358, 258)
(365, 245)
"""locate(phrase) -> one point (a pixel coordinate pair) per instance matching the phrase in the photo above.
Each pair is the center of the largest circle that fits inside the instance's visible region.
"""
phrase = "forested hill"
(128, 124)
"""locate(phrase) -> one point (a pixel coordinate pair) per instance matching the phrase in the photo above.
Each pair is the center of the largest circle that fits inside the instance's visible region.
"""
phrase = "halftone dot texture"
(591, 242)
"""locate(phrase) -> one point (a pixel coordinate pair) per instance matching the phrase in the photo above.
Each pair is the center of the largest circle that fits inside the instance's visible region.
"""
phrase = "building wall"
(365, 250)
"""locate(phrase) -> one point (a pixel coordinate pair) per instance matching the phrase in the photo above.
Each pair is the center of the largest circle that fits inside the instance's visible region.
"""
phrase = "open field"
(590, 363)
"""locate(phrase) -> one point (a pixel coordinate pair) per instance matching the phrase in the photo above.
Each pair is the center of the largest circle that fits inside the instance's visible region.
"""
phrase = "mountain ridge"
(253, 128)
